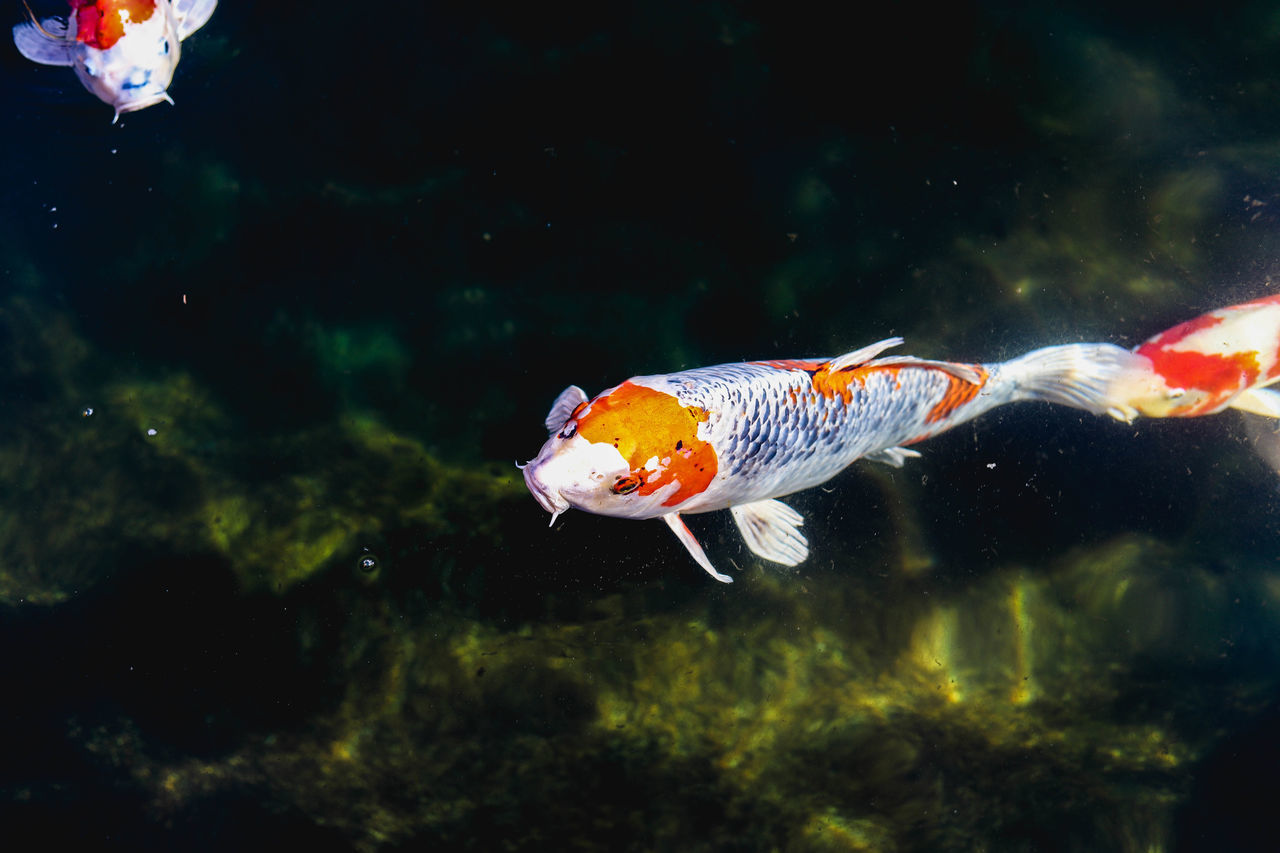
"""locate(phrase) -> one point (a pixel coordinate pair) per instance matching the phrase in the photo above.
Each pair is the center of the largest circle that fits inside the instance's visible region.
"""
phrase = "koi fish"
(739, 436)
(1223, 359)
(123, 51)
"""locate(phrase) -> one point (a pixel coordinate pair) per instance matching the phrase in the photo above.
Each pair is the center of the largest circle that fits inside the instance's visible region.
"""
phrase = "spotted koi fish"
(1223, 359)
(123, 51)
(739, 436)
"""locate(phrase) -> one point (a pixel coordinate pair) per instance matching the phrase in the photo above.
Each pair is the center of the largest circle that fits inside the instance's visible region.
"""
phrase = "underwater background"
(342, 281)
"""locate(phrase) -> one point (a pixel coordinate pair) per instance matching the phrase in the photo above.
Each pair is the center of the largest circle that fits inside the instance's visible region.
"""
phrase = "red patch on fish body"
(1222, 364)
(100, 23)
(1220, 376)
(959, 391)
(647, 425)
(1169, 337)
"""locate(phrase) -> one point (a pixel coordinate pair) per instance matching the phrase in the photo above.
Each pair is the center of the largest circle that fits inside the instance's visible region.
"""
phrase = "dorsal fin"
(960, 371)
(569, 399)
(862, 356)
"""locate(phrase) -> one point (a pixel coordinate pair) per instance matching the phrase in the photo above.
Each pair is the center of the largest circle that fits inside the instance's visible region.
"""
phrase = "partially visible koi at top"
(123, 51)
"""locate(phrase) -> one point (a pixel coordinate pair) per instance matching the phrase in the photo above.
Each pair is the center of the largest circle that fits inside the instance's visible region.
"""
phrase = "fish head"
(572, 472)
(130, 64)
(631, 452)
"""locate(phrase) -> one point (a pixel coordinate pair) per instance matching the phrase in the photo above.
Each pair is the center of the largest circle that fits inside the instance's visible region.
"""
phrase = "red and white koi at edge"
(739, 436)
(1223, 359)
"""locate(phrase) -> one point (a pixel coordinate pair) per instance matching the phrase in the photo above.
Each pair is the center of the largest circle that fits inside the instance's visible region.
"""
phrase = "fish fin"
(682, 533)
(770, 530)
(862, 356)
(1265, 440)
(46, 42)
(960, 371)
(1083, 376)
(569, 399)
(191, 15)
(1260, 401)
(892, 456)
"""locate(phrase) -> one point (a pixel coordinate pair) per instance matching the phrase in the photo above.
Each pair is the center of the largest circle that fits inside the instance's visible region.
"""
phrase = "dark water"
(343, 279)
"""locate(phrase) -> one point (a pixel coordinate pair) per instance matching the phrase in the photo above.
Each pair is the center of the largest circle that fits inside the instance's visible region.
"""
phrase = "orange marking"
(827, 383)
(831, 385)
(100, 23)
(959, 392)
(643, 424)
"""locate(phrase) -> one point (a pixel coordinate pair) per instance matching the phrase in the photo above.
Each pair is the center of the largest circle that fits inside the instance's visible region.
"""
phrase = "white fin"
(960, 371)
(52, 49)
(191, 15)
(862, 356)
(892, 456)
(1260, 401)
(563, 407)
(769, 528)
(682, 533)
(1077, 375)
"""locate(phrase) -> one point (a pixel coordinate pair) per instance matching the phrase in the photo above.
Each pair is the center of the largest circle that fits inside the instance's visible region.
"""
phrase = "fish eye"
(626, 485)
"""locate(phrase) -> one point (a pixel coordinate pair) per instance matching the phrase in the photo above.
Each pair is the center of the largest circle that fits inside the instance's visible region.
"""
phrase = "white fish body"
(739, 436)
(129, 71)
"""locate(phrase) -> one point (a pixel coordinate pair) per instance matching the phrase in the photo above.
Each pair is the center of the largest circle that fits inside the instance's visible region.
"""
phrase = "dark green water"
(342, 281)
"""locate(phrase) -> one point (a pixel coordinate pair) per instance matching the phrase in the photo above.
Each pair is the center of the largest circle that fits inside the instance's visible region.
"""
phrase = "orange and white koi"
(1223, 359)
(739, 436)
(123, 51)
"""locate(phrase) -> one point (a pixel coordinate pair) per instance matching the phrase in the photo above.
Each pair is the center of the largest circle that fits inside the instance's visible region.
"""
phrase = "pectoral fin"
(46, 43)
(1260, 401)
(191, 15)
(892, 456)
(682, 533)
(769, 528)
(563, 407)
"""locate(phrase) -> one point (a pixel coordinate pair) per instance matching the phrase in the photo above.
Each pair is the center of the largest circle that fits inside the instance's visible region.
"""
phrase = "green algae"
(108, 462)
(768, 721)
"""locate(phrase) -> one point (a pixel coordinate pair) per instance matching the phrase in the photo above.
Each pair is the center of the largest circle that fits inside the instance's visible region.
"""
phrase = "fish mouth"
(549, 499)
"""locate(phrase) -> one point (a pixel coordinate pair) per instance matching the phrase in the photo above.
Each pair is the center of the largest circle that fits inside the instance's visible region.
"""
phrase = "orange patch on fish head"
(100, 23)
(658, 438)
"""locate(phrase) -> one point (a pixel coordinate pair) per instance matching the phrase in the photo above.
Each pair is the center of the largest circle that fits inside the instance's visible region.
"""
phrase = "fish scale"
(775, 447)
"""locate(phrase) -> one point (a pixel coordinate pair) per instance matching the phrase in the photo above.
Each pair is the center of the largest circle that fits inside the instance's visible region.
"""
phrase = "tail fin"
(1076, 375)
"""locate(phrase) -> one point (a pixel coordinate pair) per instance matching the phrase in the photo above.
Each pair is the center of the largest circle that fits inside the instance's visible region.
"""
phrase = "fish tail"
(1082, 376)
